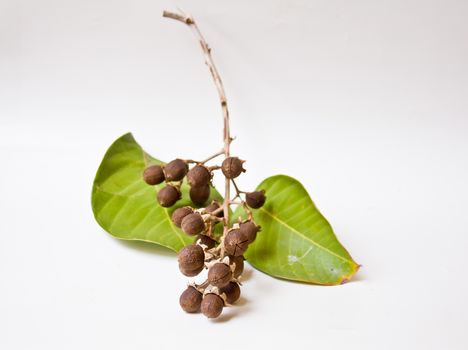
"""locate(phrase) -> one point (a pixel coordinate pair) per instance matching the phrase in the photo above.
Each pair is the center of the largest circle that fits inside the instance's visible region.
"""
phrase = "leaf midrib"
(305, 237)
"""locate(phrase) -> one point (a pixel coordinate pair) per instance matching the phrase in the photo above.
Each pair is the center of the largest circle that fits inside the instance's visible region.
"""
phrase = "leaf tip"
(348, 278)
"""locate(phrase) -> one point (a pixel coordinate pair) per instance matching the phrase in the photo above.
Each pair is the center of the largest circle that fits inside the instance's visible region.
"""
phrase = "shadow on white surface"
(246, 275)
(240, 308)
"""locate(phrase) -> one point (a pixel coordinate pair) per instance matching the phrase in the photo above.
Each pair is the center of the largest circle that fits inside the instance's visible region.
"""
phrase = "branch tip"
(178, 17)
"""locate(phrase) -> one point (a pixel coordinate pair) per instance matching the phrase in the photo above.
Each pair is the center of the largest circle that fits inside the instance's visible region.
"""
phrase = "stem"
(188, 20)
(213, 156)
(238, 191)
(242, 202)
(201, 287)
(191, 161)
(217, 211)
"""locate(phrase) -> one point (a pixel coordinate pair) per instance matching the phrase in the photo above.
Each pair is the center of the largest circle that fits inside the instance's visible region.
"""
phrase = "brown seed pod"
(200, 194)
(212, 305)
(190, 273)
(190, 300)
(192, 224)
(219, 275)
(205, 240)
(235, 242)
(179, 214)
(249, 230)
(191, 260)
(168, 195)
(175, 170)
(213, 207)
(232, 167)
(198, 176)
(232, 291)
(255, 199)
(153, 175)
(239, 261)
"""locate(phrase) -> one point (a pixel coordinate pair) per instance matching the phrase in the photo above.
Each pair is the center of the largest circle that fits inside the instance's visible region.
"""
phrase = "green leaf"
(126, 207)
(296, 241)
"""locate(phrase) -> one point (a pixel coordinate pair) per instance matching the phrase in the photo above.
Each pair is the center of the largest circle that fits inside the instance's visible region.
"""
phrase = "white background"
(365, 102)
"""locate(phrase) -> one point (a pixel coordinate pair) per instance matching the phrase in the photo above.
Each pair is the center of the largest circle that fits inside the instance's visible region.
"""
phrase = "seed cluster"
(173, 173)
(223, 256)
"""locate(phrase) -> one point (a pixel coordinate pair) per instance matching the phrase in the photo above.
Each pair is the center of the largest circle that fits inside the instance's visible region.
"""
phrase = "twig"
(238, 191)
(217, 211)
(242, 202)
(191, 161)
(177, 17)
(213, 156)
(188, 20)
(201, 287)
